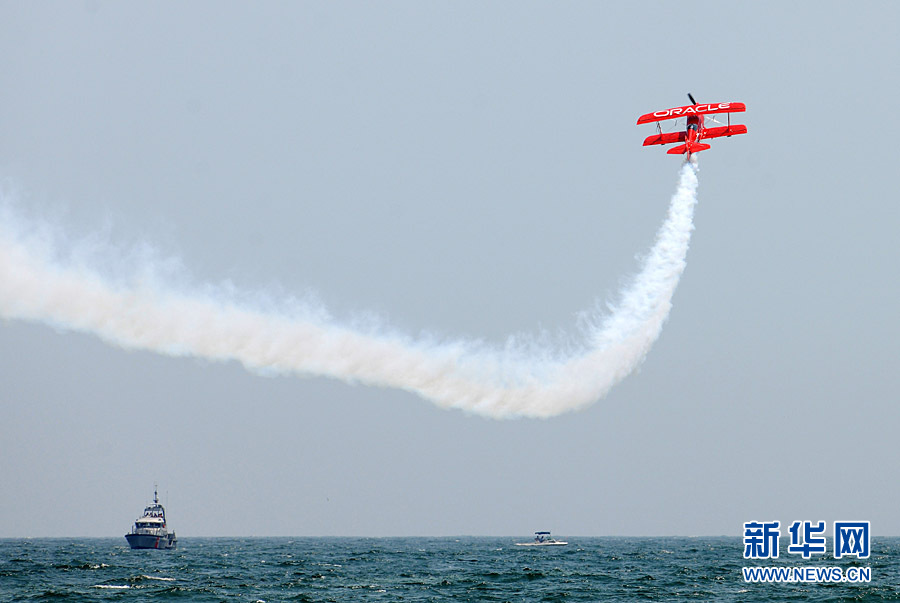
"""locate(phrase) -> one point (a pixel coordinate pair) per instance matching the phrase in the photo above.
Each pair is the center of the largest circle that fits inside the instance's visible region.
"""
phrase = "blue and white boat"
(150, 531)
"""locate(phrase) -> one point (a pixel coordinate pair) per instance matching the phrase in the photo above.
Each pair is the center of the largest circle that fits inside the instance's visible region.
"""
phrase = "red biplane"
(695, 131)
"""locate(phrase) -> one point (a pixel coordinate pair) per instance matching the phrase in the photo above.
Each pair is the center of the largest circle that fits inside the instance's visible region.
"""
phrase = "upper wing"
(705, 108)
(665, 138)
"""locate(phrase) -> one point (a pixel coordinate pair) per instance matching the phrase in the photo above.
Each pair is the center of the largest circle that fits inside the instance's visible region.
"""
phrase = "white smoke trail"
(37, 283)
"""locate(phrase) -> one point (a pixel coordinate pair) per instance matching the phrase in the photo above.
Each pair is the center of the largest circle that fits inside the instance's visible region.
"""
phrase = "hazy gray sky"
(467, 170)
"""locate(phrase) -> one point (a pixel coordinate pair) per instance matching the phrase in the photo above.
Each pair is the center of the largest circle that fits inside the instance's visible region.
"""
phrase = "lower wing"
(665, 138)
(723, 131)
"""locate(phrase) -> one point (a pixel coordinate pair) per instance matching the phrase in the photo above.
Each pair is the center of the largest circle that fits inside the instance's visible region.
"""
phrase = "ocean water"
(418, 569)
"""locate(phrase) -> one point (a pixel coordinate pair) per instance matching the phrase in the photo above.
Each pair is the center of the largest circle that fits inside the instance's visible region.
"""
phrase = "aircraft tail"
(688, 147)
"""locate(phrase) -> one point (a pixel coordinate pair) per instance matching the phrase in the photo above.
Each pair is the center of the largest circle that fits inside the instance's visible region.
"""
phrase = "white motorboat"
(543, 539)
